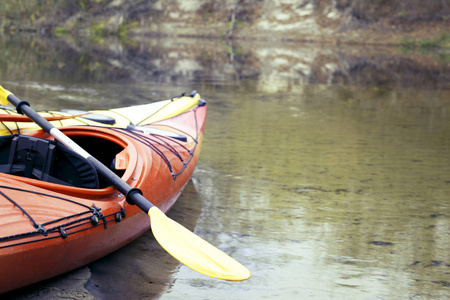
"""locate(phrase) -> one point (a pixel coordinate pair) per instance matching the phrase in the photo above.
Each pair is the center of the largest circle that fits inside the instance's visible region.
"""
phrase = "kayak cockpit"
(105, 150)
(44, 160)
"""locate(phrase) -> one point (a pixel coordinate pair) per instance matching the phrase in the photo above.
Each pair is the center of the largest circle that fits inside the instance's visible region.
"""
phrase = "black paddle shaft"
(133, 195)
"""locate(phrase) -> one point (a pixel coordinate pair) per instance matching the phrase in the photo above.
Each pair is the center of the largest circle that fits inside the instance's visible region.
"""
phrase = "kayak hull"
(80, 225)
(48, 259)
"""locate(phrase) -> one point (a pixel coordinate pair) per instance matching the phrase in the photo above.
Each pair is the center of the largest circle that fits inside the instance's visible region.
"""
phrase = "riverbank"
(408, 23)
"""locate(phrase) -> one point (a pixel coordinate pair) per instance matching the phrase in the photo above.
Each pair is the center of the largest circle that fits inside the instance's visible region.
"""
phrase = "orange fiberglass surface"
(56, 214)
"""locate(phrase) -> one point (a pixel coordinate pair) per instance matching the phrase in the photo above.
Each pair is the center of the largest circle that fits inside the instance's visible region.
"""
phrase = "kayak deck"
(12, 122)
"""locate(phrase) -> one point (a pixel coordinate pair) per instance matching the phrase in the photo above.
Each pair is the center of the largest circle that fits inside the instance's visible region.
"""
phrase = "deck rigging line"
(152, 139)
(10, 112)
(84, 217)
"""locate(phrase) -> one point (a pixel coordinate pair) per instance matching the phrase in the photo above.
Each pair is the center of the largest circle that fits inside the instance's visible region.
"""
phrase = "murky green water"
(324, 189)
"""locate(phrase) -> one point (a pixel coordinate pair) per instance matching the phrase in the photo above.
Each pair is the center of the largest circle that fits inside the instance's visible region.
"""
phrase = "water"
(325, 171)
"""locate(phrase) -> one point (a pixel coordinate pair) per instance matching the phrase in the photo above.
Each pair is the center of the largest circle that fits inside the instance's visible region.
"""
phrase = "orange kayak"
(56, 214)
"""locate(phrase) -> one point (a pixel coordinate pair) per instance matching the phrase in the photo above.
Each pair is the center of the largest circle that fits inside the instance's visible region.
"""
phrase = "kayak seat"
(105, 151)
(45, 160)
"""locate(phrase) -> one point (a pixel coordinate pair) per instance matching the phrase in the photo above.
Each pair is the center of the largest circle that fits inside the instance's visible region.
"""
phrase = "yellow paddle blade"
(4, 96)
(193, 251)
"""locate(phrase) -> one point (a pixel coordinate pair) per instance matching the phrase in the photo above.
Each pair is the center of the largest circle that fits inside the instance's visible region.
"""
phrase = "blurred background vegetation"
(407, 22)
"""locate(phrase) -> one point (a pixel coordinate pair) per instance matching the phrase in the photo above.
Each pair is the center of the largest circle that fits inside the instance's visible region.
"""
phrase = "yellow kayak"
(139, 115)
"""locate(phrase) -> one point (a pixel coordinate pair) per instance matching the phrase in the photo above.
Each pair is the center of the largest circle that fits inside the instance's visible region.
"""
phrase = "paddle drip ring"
(19, 106)
(130, 193)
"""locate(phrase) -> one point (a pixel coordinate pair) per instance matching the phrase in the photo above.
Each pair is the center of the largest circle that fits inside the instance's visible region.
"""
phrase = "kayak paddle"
(178, 241)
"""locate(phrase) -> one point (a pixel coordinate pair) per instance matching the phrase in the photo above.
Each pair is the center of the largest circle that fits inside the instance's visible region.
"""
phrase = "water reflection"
(325, 171)
(338, 197)
(176, 61)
